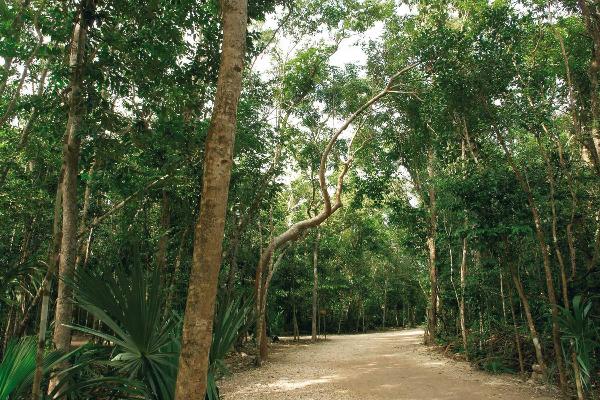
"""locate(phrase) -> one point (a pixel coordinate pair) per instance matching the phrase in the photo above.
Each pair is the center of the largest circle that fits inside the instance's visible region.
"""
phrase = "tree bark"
(537, 346)
(591, 16)
(68, 247)
(433, 299)
(208, 240)
(295, 323)
(315, 288)
(463, 284)
(541, 239)
(298, 228)
(163, 241)
(516, 330)
(176, 271)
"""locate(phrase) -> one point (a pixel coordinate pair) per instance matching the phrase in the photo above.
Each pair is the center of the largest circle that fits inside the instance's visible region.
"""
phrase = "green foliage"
(18, 366)
(230, 318)
(128, 302)
(580, 332)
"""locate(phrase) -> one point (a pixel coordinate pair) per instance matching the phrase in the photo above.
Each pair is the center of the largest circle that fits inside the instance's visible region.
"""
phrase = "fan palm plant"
(579, 331)
(18, 366)
(230, 318)
(146, 343)
(130, 305)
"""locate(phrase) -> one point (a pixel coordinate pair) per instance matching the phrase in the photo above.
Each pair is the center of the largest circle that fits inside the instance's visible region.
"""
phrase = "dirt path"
(378, 366)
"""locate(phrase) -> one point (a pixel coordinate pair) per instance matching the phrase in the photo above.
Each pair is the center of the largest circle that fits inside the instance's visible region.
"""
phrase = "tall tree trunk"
(384, 308)
(262, 297)
(176, 271)
(68, 247)
(208, 241)
(591, 16)
(53, 257)
(233, 263)
(163, 241)
(463, 285)
(87, 194)
(541, 240)
(516, 330)
(315, 289)
(295, 323)
(329, 206)
(433, 302)
(535, 339)
(502, 296)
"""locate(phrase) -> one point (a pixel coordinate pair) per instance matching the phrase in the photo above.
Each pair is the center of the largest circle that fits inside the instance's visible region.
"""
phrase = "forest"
(181, 180)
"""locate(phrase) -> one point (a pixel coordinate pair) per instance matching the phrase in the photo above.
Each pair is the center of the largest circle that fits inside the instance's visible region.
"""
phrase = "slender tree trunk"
(176, 270)
(83, 246)
(433, 302)
(537, 346)
(261, 326)
(163, 241)
(208, 241)
(315, 289)
(362, 309)
(295, 323)
(384, 308)
(463, 284)
(68, 247)
(516, 330)
(541, 239)
(591, 16)
(53, 257)
(233, 264)
(502, 296)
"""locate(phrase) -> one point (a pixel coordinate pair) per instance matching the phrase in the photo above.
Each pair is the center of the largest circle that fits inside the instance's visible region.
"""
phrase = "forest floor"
(375, 366)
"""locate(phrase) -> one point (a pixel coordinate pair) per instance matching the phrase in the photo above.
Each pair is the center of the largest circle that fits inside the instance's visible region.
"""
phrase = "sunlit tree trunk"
(208, 240)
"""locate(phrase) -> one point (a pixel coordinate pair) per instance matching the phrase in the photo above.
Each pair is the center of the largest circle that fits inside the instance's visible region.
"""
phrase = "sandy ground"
(379, 366)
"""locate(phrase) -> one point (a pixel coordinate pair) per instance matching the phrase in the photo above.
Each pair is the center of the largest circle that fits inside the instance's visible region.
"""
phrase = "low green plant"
(580, 333)
(146, 345)
(18, 366)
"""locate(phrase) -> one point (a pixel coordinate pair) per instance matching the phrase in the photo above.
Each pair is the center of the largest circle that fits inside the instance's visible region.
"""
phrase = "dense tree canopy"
(451, 179)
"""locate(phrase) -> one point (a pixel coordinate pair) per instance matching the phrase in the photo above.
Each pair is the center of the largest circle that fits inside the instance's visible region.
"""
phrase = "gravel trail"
(378, 366)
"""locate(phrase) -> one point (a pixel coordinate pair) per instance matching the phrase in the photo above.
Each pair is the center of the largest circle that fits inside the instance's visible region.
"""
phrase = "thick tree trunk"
(68, 247)
(208, 240)
(315, 289)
